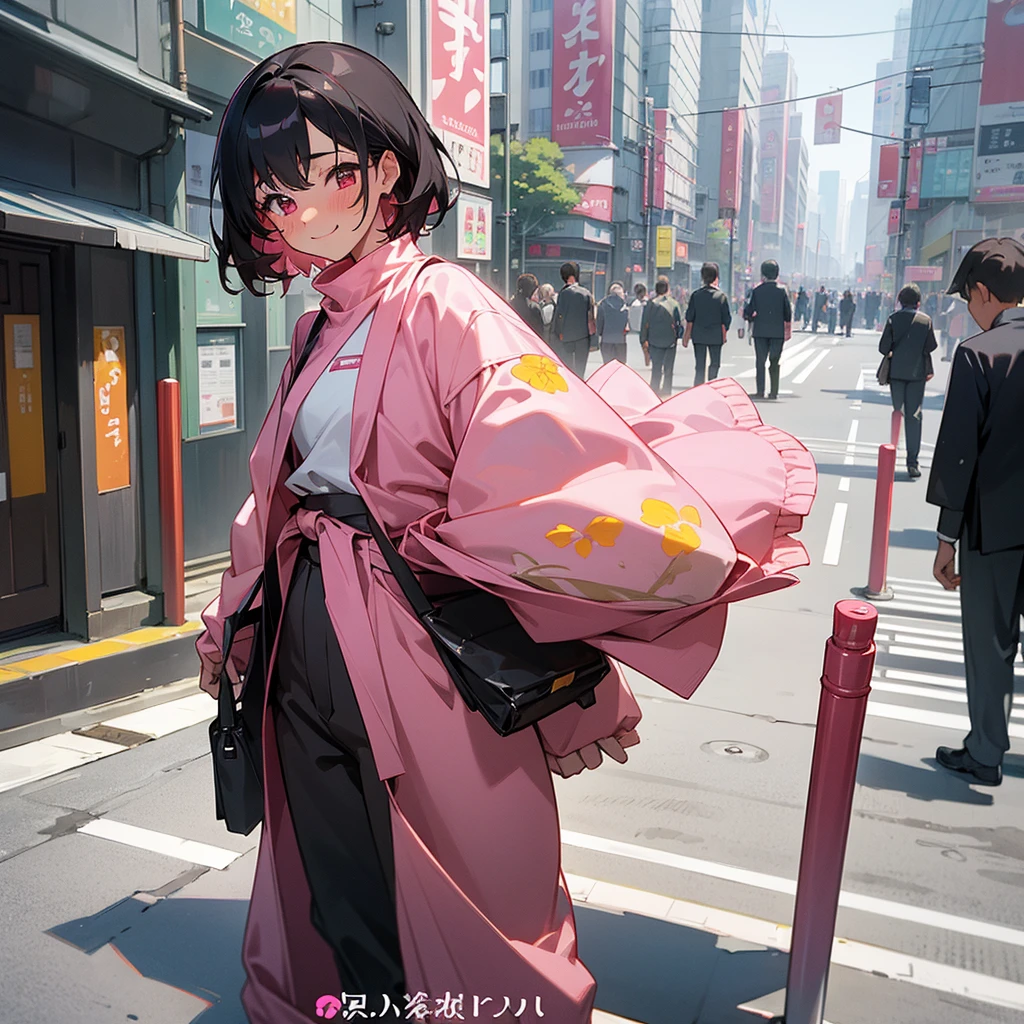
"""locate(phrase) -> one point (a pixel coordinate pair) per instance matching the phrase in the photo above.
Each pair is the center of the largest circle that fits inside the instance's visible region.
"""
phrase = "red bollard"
(846, 683)
(877, 590)
(172, 520)
(894, 428)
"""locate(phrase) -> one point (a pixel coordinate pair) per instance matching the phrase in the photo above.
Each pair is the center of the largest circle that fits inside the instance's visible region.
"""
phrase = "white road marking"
(844, 483)
(42, 758)
(163, 719)
(934, 584)
(788, 355)
(160, 842)
(845, 953)
(787, 366)
(834, 541)
(808, 370)
(851, 443)
(930, 609)
(942, 645)
(775, 883)
(932, 655)
(956, 723)
(948, 596)
(897, 626)
(930, 693)
(950, 682)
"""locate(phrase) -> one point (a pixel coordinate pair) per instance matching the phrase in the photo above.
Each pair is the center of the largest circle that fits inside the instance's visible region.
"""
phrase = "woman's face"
(327, 219)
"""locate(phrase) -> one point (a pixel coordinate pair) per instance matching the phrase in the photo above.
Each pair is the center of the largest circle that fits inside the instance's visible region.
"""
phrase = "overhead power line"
(807, 35)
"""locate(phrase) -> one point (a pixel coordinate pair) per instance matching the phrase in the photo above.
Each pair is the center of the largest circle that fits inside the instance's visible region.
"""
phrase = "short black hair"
(910, 295)
(526, 284)
(998, 264)
(570, 270)
(709, 273)
(639, 290)
(770, 270)
(351, 97)
(661, 286)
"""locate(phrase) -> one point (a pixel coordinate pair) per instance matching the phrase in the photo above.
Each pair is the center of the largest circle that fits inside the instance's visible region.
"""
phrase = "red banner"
(894, 219)
(914, 176)
(596, 202)
(828, 119)
(459, 107)
(888, 172)
(583, 72)
(660, 129)
(732, 162)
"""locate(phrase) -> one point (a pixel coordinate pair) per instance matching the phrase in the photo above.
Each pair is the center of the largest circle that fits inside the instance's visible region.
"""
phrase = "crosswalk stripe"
(808, 370)
(929, 609)
(787, 359)
(934, 584)
(899, 651)
(897, 624)
(922, 598)
(943, 645)
(925, 677)
(941, 719)
(930, 694)
(160, 842)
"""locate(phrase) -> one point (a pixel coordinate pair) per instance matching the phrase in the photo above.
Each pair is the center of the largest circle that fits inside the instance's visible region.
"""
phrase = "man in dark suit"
(907, 342)
(771, 316)
(708, 319)
(575, 321)
(977, 480)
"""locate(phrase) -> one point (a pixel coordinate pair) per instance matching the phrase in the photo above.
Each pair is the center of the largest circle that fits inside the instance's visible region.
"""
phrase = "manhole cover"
(735, 750)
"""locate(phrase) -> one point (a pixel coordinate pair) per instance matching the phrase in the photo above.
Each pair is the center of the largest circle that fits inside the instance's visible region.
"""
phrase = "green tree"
(541, 190)
(718, 246)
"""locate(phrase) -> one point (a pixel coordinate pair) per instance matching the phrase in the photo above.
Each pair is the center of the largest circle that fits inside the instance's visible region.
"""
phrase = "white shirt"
(323, 427)
(636, 315)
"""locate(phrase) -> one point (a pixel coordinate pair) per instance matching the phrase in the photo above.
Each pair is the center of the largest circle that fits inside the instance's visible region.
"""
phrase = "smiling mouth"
(316, 238)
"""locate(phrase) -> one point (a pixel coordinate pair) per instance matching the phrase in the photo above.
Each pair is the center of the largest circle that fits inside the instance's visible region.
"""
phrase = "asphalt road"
(702, 827)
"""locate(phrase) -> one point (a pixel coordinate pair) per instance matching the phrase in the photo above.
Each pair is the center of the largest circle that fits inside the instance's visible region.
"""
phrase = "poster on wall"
(24, 406)
(828, 117)
(596, 180)
(458, 104)
(732, 160)
(665, 247)
(218, 383)
(110, 398)
(999, 148)
(474, 220)
(582, 72)
(260, 26)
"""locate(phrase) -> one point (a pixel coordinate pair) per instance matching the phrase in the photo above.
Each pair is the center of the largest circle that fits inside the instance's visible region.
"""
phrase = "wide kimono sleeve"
(599, 513)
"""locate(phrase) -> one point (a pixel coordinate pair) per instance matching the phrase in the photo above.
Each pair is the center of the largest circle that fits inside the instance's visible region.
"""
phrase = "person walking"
(833, 313)
(613, 323)
(802, 307)
(847, 307)
(636, 315)
(820, 308)
(546, 301)
(771, 325)
(522, 302)
(907, 342)
(977, 481)
(660, 328)
(708, 319)
(575, 324)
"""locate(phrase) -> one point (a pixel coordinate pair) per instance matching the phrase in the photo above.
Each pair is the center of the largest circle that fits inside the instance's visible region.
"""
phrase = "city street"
(124, 899)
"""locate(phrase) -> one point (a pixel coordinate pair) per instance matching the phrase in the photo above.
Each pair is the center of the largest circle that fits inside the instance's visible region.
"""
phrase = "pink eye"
(280, 204)
(345, 177)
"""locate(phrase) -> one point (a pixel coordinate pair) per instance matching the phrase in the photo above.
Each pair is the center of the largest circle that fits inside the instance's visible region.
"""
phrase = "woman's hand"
(590, 756)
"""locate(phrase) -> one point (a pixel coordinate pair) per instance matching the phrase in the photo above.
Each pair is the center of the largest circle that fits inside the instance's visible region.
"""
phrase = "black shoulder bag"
(236, 734)
(497, 667)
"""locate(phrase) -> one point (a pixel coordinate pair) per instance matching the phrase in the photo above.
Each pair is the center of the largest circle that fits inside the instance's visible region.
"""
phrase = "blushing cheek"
(310, 215)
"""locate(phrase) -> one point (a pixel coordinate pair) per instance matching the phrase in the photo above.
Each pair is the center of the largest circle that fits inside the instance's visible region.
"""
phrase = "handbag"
(883, 371)
(236, 734)
(498, 668)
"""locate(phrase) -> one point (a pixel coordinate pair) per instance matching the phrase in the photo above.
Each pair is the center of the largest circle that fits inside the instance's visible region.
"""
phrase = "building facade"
(779, 85)
(795, 208)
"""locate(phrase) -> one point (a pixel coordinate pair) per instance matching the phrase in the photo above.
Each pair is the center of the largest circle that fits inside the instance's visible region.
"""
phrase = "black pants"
(663, 361)
(700, 354)
(339, 807)
(769, 349)
(908, 398)
(575, 354)
(612, 350)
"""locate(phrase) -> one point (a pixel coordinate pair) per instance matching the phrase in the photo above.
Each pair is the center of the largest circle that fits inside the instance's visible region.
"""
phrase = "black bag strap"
(240, 618)
(307, 349)
(414, 594)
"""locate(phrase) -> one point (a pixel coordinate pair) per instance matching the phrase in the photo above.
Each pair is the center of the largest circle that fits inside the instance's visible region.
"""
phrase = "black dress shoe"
(773, 398)
(913, 472)
(962, 762)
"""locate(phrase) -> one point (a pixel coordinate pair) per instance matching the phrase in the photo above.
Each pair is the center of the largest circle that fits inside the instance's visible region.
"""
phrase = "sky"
(825, 64)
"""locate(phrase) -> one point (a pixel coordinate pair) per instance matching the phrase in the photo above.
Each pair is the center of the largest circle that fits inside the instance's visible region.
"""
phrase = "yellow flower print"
(600, 530)
(540, 373)
(680, 536)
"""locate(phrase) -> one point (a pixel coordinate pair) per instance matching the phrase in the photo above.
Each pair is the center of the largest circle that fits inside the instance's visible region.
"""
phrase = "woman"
(847, 307)
(522, 302)
(406, 846)
(547, 303)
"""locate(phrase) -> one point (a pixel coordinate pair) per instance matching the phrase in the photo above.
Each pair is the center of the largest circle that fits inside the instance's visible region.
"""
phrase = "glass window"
(498, 47)
(498, 76)
(540, 40)
(540, 120)
(214, 306)
(540, 5)
(540, 78)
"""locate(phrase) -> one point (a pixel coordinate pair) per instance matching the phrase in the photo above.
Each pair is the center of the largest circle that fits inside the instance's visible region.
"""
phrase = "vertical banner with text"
(459, 105)
(24, 406)
(999, 154)
(583, 72)
(774, 138)
(731, 163)
(888, 171)
(260, 26)
(914, 176)
(110, 397)
(828, 119)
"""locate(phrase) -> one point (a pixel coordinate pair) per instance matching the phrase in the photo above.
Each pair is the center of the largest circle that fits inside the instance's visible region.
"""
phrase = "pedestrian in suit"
(708, 319)
(977, 480)
(660, 328)
(847, 307)
(771, 325)
(820, 308)
(833, 313)
(907, 342)
(522, 302)
(575, 321)
(802, 309)
(613, 323)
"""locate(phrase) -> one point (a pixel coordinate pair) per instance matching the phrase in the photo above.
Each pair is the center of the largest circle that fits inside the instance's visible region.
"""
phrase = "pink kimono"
(595, 510)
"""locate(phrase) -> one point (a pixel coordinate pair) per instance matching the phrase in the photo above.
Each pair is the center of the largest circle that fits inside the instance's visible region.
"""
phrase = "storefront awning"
(27, 210)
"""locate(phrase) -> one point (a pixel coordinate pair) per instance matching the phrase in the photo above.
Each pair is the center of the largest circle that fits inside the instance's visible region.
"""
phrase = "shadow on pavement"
(193, 945)
(919, 783)
(924, 540)
(932, 403)
(660, 972)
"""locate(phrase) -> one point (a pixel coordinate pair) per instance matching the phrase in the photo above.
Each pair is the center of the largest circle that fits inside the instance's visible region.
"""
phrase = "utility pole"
(508, 201)
(917, 112)
(649, 226)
